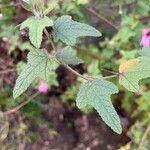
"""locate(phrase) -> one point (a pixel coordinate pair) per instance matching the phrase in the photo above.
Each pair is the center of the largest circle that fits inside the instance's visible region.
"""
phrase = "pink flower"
(145, 41)
(43, 87)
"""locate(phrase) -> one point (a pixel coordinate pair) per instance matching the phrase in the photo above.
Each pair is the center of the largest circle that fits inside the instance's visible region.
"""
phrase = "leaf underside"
(145, 52)
(36, 27)
(138, 71)
(98, 95)
(68, 56)
(39, 65)
(67, 30)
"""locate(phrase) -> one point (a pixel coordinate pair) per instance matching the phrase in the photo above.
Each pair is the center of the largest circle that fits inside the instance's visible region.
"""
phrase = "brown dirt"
(74, 130)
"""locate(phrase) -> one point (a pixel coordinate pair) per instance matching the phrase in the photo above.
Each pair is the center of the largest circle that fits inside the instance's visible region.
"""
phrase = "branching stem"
(87, 78)
(73, 71)
(14, 110)
(68, 67)
(50, 40)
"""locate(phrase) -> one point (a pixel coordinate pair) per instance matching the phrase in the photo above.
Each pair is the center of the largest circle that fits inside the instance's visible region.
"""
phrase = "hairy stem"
(21, 105)
(112, 72)
(102, 18)
(144, 137)
(73, 71)
(50, 40)
(89, 78)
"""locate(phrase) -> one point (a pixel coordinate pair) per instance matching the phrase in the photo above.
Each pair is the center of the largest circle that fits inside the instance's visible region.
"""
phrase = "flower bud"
(43, 87)
(145, 41)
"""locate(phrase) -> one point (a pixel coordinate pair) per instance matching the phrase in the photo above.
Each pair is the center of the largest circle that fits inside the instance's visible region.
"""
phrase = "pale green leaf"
(132, 71)
(26, 4)
(145, 52)
(82, 2)
(36, 27)
(98, 94)
(67, 30)
(68, 56)
(39, 65)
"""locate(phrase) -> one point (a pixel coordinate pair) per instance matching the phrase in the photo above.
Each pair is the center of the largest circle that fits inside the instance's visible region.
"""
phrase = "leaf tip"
(14, 95)
(119, 130)
(99, 34)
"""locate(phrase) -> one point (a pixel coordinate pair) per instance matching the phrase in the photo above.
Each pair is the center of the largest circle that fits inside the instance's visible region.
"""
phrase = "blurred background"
(51, 121)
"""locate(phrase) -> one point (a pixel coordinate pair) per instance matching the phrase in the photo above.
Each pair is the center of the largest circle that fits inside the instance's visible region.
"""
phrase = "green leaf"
(26, 4)
(97, 94)
(132, 71)
(145, 52)
(36, 27)
(68, 56)
(82, 2)
(67, 30)
(39, 65)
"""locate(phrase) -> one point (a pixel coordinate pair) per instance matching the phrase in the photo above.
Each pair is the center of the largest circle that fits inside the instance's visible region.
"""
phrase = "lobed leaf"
(68, 56)
(132, 71)
(145, 52)
(39, 65)
(36, 27)
(97, 94)
(26, 4)
(67, 30)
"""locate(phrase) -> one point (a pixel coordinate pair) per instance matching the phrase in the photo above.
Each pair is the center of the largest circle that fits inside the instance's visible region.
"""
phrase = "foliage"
(67, 30)
(133, 71)
(97, 94)
(119, 50)
(36, 26)
(39, 62)
(39, 65)
(68, 56)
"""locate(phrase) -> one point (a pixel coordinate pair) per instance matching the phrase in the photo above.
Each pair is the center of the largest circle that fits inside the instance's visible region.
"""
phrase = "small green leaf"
(145, 52)
(39, 65)
(132, 71)
(67, 30)
(68, 56)
(97, 94)
(26, 4)
(36, 27)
